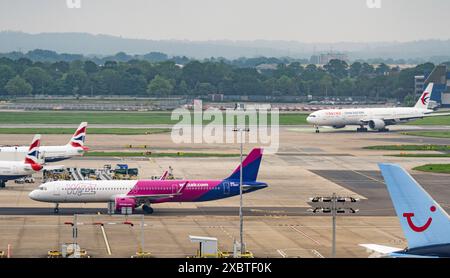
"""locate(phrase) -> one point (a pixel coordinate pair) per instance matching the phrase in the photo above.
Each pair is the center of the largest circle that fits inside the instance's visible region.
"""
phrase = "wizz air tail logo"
(414, 227)
(425, 98)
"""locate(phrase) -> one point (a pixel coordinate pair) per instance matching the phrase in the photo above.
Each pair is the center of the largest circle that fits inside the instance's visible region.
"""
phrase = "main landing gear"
(361, 129)
(147, 209)
(56, 209)
(383, 130)
(2, 184)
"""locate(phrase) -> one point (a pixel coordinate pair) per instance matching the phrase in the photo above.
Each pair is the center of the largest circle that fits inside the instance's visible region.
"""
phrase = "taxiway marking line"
(108, 249)
(304, 234)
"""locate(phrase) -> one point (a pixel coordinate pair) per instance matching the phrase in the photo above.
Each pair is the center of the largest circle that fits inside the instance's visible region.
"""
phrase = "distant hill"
(105, 45)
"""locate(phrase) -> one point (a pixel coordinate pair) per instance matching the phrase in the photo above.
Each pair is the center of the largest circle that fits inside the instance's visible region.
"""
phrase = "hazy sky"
(299, 20)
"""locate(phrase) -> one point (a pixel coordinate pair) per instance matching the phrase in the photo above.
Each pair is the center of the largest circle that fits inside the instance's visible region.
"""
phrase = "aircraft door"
(226, 188)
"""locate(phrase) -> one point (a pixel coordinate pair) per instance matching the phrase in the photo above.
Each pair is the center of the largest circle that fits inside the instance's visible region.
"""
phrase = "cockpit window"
(312, 116)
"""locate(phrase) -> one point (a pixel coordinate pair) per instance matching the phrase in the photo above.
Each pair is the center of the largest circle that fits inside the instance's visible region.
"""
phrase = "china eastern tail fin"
(424, 99)
(78, 138)
(423, 221)
(250, 167)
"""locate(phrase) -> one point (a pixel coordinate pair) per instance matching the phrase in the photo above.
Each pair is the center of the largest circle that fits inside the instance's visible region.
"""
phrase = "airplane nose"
(33, 195)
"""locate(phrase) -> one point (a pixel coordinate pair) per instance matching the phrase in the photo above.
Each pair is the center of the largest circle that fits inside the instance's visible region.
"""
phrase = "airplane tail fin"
(423, 221)
(78, 138)
(424, 99)
(250, 167)
(32, 157)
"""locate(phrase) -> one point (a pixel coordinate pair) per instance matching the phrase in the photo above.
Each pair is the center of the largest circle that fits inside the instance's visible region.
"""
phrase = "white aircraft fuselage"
(50, 153)
(374, 117)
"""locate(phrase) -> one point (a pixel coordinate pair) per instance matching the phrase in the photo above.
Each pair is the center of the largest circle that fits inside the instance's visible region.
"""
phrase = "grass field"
(422, 155)
(118, 131)
(119, 117)
(63, 117)
(151, 154)
(434, 168)
(436, 134)
(441, 148)
(440, 120)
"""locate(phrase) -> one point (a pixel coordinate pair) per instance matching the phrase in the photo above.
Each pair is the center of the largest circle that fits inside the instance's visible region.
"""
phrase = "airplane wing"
(381, 249)
(396, 120)
(153, 197)
(53, 167)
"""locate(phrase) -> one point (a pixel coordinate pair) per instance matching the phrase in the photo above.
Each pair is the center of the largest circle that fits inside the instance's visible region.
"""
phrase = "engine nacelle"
(125, 203)
(377, 124)
(338, 126)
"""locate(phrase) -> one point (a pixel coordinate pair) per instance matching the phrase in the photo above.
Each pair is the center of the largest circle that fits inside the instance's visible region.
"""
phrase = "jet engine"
(377, 124)
(124, 202)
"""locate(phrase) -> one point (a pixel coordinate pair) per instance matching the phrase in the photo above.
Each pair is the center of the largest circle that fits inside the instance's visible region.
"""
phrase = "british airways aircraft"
(11, 170)
(75, 147)
(425, 224)
(132, 194)
(375, 118)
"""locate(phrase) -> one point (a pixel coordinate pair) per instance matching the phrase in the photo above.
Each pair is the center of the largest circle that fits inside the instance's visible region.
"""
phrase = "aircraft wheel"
(147, 209)
(2, 184)
(56, 209)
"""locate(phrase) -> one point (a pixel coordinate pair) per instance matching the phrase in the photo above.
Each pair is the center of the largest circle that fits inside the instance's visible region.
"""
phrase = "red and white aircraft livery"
(375, 118)
(11, 170)
(75, 147)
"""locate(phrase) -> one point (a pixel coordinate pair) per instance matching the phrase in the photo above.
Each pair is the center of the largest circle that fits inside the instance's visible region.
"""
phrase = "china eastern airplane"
(75, 147)
(375, 118)
(11, 170)
(132, 194)
(425, 224)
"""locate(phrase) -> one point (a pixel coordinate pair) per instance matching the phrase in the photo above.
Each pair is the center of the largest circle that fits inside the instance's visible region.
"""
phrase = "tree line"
(136, 77)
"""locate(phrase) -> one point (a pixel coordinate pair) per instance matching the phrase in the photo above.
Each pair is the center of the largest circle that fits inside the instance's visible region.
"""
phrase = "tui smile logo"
(425, 98)
(418, 229)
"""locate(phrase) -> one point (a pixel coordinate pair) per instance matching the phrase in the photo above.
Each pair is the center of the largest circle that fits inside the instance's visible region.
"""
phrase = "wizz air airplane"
(132, 194)
(75, 147)
(375, 118)
(11, 170)
(425, 224)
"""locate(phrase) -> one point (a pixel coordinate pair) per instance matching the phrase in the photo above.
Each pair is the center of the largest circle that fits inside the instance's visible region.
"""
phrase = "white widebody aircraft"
(75, 147)
(11, 170)
(375, 118)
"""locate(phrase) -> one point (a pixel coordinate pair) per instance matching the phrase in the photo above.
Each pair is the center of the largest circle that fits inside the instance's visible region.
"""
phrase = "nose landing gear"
(56, 209)
(317, 129)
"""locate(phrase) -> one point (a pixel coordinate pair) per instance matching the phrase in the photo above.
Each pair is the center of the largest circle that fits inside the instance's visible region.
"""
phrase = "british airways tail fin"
(425, 98)
(32, 157)
(78, 138)
(250, 167)
(423, 221)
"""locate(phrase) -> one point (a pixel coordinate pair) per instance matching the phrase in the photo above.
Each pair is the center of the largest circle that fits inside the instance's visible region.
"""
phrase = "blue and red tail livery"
(77, 140)
(425, 224)
(32, 156)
